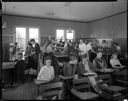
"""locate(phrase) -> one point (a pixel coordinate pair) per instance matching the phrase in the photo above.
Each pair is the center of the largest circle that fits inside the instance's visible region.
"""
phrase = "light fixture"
(14, 18)
(5, 24)
(69, 30)
(112, 32)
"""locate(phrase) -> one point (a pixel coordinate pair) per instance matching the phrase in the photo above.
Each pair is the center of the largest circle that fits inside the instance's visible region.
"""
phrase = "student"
(28, 58)
(90, 51)
(87, 67)
(70, 67)
(114, 61)
(116, 48)
(46, 73)
(37, 52)
(99, 62)
(82, 48)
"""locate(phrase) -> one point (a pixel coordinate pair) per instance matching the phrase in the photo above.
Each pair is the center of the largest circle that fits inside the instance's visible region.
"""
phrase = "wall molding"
(66, 20)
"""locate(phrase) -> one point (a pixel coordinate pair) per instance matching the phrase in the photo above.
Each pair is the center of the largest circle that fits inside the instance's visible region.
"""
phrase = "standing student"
(82, 48)
(90, 51)
(37, 52)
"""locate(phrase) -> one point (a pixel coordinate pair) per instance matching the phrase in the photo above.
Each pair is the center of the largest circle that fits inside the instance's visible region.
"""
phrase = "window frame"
(56, 33)
(27, 32)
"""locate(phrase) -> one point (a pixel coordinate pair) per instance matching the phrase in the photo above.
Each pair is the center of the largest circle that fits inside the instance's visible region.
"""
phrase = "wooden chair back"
(106, 78)
(81, 84)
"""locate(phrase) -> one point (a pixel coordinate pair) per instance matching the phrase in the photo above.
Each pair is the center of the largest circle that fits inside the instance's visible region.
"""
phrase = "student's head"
(89, 42)
(85, 58)
(32, 41)
(99, 54)
(81, 41)
(114, 55)
(73, 58)
(16, 43)
(29, 44)
(48, 61)
(115, 44)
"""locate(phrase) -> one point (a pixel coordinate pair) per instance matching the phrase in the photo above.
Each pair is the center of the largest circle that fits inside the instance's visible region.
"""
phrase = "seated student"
(99, 62)
(59, 67)
(87, 67)
(114, 61)
(70, 67)
(46, 73)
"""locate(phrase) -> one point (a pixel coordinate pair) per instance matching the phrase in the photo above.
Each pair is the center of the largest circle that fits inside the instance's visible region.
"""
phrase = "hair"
(114, 54)
(16, 43)
(32, 40)
(115, 43)
(29, 44)
(47, 58)
(72, 56)
(99, 51)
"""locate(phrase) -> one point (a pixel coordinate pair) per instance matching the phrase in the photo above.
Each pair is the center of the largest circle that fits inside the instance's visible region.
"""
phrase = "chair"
(52, 89)
(79, 87)
(107, 79)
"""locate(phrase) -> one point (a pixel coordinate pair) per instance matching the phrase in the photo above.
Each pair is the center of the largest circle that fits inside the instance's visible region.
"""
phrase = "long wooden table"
(8, 65)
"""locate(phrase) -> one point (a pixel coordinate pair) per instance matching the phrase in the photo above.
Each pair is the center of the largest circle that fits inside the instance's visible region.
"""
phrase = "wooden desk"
(8, 65)
(107, 71)
(7, 71)
(67, 85)
(61, 56)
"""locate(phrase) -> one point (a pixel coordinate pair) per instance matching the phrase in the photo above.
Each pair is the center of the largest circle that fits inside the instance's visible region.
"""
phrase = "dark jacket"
(97, 66)
(69, 69)
(37, 49)
(81, 68)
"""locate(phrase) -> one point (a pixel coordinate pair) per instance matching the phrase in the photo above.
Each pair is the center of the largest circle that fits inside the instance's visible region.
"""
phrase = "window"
(60, 34)
(21, 37)
(34, 34)
(24, 34)
(69, 35)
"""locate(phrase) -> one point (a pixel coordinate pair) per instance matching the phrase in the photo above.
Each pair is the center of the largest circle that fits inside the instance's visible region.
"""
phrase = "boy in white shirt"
(82, 48)
(46, 73)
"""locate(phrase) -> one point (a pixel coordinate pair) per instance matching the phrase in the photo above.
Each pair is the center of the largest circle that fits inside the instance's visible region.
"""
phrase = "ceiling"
(77, 11)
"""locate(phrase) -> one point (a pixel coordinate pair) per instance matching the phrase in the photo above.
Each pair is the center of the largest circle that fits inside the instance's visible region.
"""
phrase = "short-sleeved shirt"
(82, 48)
(46, 73)
(114, 62)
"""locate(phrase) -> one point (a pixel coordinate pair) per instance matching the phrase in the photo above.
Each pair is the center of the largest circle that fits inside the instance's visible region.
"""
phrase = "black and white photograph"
(64, 50)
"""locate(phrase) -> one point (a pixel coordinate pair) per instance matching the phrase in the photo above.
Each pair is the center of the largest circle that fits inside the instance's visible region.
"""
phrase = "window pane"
(60, 34)
(69, 36)
(21, 37)
(34, 33)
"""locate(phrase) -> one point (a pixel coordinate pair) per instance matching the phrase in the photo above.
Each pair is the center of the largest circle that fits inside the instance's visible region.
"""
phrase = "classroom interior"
(64, 51)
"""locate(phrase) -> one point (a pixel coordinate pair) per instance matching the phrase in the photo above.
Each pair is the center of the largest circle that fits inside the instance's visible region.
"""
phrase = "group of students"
(76, 69)
(76, 65)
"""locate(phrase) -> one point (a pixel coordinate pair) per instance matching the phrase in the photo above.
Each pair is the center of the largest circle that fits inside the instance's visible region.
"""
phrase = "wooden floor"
(27, 91)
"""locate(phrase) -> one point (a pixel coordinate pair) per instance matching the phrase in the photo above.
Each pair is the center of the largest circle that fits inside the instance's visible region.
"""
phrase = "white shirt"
(118, 47)
(46, 73)
(82, 48)
(114, 62)
(89, 47)
(87, 68)
(49, 49)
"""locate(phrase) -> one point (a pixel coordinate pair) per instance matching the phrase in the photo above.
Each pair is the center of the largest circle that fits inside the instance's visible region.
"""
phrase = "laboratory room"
(64, 51)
